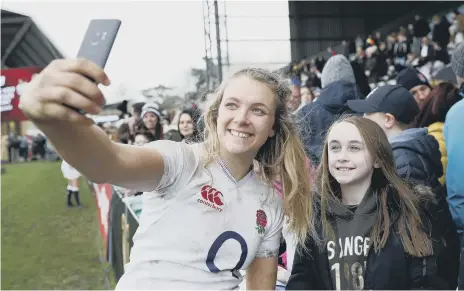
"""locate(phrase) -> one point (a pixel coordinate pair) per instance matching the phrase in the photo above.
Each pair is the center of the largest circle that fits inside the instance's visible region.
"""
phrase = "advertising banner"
(103, 195)
(117, 223)
(123, 226)
(12, 85)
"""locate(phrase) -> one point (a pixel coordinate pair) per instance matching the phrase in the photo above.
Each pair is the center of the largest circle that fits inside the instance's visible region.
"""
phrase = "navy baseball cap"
(410, 78)
(393, 99)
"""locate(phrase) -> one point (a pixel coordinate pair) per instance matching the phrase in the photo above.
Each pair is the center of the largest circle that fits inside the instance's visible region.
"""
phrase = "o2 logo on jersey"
(211, 197)
(217, 244)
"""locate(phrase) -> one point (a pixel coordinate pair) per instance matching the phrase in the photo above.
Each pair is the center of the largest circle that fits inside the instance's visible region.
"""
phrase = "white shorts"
(69, 172)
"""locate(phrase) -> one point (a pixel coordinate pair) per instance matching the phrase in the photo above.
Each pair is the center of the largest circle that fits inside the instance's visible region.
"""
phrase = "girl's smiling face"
(349, 160)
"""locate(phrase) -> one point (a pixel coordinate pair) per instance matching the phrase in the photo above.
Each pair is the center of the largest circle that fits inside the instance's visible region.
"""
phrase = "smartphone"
(98, 40)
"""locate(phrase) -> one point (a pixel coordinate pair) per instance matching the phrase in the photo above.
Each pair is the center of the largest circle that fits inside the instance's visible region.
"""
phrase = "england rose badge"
(261, 221)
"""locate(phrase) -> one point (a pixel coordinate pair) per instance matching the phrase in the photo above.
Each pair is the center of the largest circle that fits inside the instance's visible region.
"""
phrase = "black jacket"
(440, 33)
(315, 118)
(417, 156)
(361, 79)
(417, 159)
(421, 28)
(380, 67)
(390, 269)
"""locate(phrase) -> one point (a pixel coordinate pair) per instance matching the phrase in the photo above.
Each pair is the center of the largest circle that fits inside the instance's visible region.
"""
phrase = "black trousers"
(23, 153)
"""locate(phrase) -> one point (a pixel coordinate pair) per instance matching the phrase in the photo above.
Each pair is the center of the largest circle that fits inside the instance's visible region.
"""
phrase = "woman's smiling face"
(246, 116)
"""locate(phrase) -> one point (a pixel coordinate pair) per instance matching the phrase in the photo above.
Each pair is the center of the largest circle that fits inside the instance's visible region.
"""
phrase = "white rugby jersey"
(200, 226)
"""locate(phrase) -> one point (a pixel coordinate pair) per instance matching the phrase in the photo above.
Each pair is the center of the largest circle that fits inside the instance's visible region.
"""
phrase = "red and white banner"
(12, 82)
(103, 193)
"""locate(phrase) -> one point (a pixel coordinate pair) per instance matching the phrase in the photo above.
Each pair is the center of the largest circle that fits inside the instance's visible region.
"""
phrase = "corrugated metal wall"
(316, 25)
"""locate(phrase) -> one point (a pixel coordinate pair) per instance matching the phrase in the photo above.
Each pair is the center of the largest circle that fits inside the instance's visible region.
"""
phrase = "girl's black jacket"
(391, 268)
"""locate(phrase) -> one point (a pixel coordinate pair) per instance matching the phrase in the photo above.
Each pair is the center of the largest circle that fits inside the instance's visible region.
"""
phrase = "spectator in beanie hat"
(151, 120)
(315, 118)
(337, 68)
(416, 83)
(418, 160)
(151, 107)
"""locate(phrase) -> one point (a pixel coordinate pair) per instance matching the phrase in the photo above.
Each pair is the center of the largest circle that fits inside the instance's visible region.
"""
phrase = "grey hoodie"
(348, 253)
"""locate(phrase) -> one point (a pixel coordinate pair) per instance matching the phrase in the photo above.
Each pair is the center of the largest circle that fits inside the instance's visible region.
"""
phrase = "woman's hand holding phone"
(68, 89)
(61, 85)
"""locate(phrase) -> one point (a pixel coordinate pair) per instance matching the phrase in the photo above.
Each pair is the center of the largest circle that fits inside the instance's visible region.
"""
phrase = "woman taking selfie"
(207, 214)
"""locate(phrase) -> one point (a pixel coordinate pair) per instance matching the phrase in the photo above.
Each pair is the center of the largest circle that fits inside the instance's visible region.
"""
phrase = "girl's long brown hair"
(441, 99)
(282, 155)
(398, 203)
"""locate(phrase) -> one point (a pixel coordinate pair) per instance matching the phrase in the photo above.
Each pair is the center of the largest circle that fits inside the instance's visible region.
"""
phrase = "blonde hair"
(282, 155)
(392, 192)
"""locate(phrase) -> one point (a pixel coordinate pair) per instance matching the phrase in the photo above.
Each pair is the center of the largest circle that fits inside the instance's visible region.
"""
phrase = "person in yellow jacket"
(442, 97)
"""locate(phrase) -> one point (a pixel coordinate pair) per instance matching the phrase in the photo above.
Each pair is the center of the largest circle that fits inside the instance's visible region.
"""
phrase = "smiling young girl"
(207, 213)
(371, 231)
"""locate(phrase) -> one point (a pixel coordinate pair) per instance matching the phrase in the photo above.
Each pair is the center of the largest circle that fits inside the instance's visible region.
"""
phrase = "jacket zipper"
(424, 267)
(369, 254)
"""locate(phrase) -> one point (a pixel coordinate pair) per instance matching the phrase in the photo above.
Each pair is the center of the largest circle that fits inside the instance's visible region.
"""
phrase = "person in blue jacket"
(454, 139)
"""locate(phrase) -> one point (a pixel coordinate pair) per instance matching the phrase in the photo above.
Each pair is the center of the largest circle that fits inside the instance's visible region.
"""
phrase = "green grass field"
(45, 245)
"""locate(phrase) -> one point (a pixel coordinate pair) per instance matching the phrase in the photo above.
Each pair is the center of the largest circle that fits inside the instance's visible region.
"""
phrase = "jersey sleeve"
(180, 164)
(270, 243)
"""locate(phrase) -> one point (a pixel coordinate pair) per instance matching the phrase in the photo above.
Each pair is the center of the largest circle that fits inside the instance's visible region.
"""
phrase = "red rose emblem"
(261, 221)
